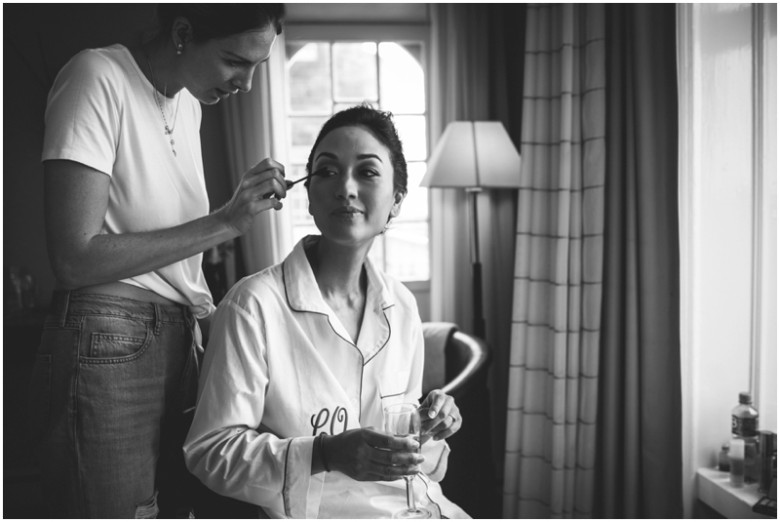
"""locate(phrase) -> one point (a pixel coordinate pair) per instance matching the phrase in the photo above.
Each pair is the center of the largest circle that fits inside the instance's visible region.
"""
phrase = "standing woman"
(127, 220)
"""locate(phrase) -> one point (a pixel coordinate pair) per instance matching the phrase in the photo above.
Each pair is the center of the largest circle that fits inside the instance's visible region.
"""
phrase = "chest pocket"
(393, 387)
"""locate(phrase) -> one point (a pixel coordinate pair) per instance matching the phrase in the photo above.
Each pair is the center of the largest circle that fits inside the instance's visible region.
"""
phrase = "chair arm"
(475, 352)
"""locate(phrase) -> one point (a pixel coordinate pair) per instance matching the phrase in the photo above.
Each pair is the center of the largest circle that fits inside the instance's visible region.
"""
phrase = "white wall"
(728, 205)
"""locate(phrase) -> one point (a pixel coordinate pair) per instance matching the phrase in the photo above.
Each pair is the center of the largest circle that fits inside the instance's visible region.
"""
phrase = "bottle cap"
(745, 398)
(737, 449)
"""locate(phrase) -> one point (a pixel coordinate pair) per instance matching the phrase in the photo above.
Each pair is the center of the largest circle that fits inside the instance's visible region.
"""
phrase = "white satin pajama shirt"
(280, 369)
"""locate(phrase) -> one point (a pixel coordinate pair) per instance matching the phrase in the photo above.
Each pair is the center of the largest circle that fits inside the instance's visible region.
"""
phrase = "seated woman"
(304, 356)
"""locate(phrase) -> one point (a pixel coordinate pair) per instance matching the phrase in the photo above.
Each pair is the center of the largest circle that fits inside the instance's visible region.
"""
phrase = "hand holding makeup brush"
(254, 194)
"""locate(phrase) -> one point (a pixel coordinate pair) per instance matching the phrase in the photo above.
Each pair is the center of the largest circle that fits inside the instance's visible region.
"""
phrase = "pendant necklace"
(168, 128)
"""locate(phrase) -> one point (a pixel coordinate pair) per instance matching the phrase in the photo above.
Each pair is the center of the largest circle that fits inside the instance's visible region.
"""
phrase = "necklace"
(168, 128)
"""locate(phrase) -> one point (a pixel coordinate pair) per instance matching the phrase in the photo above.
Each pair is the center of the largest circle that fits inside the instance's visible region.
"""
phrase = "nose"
(243, 82)
(347, 186)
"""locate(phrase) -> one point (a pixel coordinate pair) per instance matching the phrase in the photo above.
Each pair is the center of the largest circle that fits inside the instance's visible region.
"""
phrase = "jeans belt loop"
(62, 308)
(197, 345)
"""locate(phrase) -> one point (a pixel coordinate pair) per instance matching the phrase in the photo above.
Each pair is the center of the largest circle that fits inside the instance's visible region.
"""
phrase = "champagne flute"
(403, 420)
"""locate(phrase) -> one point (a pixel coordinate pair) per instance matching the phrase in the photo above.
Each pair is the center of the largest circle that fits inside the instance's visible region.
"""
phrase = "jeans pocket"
(40, 398)
(112, 339)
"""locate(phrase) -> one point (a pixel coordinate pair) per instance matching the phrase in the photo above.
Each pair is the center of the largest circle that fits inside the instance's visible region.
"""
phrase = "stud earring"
(179, 48)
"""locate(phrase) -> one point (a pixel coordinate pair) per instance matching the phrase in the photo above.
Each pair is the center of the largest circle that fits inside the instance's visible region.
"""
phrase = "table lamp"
(474, 155)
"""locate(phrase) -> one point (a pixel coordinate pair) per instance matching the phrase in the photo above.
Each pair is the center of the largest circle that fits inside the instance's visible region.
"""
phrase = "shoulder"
(398, 295)
(257, 292)
(95, 63)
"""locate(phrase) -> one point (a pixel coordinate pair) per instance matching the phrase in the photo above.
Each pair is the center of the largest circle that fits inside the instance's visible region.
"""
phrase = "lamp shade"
(474, 154)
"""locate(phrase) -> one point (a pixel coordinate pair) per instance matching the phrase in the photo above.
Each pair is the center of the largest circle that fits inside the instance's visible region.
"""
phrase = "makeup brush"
(290, 184)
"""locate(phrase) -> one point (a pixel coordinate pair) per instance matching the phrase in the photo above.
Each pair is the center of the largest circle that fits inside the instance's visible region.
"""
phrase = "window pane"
(308, 67)
(411, 130)
(303, 132)
(415, 205)
(325, 78)
(402, 82)
(298, 201)
(354, 72)
(407, 251)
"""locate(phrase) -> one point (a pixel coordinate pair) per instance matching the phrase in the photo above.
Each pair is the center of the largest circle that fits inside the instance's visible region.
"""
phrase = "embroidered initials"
(321, 419)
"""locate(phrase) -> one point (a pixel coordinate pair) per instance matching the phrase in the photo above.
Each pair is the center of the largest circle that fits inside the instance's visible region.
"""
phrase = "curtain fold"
(254, 129)
(639, 469)
(476, 74)
(553, 379)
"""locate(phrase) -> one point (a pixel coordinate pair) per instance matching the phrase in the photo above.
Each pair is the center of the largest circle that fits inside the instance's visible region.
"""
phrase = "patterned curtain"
(553, 381)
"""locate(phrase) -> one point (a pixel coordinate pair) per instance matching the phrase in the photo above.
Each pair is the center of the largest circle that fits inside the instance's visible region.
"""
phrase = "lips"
(347, 211)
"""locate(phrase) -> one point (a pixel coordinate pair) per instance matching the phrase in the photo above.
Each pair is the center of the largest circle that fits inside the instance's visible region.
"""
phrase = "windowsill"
(714, 489)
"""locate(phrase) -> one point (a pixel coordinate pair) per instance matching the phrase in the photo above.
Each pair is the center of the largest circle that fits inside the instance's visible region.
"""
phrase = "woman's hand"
(365, 454)
(440, 416)
(261, 188)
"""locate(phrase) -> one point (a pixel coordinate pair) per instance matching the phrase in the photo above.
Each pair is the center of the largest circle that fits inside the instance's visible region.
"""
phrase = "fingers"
(363, 454)
(392, 457)
(265, 180)
(440, 416)
(383, 441)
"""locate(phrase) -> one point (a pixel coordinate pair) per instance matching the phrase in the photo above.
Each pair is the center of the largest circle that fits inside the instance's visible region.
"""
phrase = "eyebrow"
(241, 58)
(360, 156)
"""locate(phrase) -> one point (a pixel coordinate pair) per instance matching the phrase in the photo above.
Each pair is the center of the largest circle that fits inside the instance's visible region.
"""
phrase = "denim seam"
(74, 424)
(157, 321)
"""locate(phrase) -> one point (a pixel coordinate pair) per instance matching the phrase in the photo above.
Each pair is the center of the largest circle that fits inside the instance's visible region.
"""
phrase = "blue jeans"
(112, 380)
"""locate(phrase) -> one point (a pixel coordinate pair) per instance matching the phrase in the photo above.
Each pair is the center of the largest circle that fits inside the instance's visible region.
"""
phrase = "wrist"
(321, 441)
(222, 217)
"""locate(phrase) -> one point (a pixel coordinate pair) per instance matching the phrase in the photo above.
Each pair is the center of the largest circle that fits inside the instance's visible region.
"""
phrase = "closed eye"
(325, 172)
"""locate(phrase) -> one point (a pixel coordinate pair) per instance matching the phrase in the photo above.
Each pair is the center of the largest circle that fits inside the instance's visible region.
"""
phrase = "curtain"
(639, 470)
(553, 380)
(475, 73)
(254, 129)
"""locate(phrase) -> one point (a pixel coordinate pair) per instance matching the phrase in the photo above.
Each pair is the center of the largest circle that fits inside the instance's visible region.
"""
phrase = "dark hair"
(220, 20)
(378, 123)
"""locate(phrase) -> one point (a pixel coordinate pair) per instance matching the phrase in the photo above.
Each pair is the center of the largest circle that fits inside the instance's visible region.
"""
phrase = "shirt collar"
(304, 295)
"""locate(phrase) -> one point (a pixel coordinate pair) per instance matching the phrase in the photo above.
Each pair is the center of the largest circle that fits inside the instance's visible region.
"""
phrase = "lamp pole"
(476, 266)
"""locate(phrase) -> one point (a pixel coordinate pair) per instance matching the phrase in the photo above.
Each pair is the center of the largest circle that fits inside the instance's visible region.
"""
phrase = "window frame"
(396, 32)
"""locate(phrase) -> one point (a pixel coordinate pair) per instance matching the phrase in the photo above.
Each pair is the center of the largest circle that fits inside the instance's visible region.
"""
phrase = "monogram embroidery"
(321, 419)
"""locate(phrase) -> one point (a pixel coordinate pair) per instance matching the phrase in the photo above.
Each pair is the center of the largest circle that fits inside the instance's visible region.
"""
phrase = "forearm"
(111, 257)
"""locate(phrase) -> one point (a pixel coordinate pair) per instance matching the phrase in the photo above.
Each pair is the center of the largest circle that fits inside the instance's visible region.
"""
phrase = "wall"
(728, 209)
(36, 45)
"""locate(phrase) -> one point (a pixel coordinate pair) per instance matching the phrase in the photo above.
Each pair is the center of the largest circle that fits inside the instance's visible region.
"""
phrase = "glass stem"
(410, 495)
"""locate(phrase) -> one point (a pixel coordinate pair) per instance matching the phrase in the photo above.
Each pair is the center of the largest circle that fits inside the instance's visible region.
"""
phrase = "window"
(325, 76)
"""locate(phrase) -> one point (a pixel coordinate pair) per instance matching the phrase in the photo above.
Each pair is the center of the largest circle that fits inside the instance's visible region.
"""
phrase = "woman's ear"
(398, 198)
(181, 31)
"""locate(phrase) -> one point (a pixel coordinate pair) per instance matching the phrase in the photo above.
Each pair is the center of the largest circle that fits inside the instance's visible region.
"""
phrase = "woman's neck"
(339, 270)
(157, 60)
(342, 281)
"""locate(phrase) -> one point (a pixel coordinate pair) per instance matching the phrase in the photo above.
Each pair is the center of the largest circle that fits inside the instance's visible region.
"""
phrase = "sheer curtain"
(471, 80)
(553, 380)
(254, 126)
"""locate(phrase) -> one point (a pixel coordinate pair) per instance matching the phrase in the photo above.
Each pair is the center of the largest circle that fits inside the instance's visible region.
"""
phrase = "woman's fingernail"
(431, 414)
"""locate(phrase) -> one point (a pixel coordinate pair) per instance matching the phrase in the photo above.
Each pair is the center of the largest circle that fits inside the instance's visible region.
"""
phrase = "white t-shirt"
(280, 368)
(102, 113)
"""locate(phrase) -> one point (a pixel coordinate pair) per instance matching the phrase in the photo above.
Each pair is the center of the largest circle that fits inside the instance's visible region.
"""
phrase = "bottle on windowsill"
(737, 463)
(723, 458)
(744, 426)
